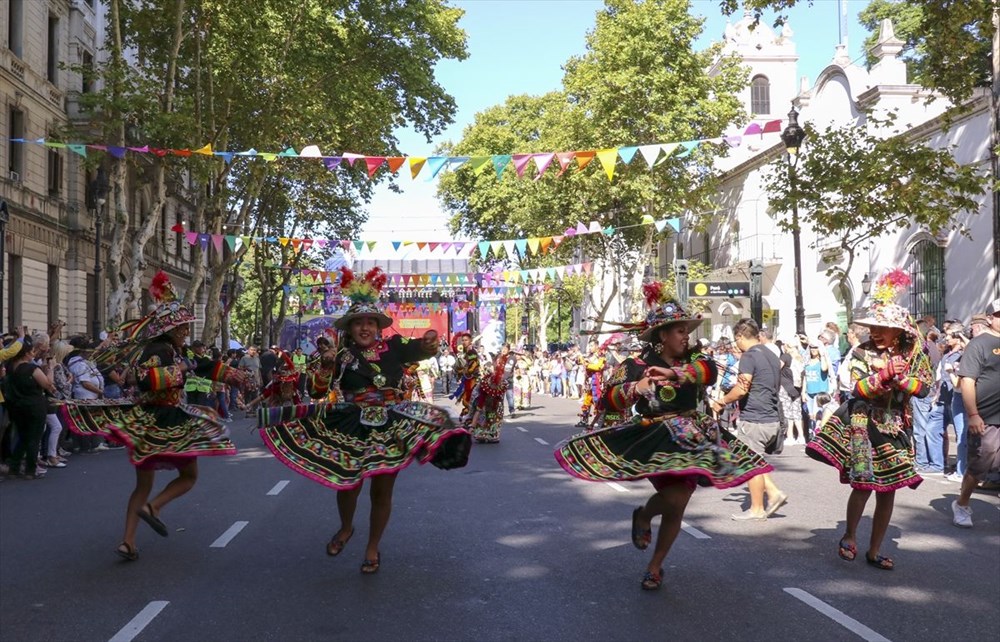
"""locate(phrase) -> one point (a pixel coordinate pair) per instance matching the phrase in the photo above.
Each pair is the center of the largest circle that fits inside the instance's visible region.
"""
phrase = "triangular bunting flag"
(496, 246)
(520, 162)
(545, 242)
(78, 149)
(479, 163)
(522, 246)
(332, 162)
(675, 223)
(484, 248)
(649, 154)
(205, 151)
(533, 245)
(395, 162)
(436, 163)
(310, 151)
(627, 154)
(416, 164)
(499, 163)
(542, 162)
(608, 158)
(373, 163)
(583, 158)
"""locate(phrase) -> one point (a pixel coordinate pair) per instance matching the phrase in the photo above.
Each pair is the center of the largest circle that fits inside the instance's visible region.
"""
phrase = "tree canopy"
(640, 81)
(262, 74)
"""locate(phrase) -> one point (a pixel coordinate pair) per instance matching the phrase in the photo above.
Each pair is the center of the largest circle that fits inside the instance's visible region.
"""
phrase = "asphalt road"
(508, 548)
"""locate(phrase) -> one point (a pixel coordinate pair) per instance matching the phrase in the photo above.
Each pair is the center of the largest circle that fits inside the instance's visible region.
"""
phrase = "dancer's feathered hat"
(167, 315)
(364, 295)
(884, 312)
(664, 311)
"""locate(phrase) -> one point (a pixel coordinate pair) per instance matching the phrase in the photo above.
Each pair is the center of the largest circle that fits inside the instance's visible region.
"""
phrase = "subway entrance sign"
(718, 289)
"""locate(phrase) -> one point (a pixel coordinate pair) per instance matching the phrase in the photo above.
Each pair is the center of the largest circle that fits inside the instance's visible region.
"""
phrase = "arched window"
(927, 293)
(760, 96)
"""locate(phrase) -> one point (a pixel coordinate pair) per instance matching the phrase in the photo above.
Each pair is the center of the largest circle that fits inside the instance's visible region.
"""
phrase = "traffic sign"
(719, 289)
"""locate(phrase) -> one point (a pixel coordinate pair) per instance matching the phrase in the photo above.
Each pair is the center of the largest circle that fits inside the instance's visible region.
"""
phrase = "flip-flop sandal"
(335, 546)
(652, 581)
(640, 537)
(369, 567)
(846, 548)
(146, 515)
(880, 562)
(127, 552)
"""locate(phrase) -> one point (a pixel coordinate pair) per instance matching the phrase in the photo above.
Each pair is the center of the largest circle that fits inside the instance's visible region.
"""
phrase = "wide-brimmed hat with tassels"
(364, 295)
(884, 312)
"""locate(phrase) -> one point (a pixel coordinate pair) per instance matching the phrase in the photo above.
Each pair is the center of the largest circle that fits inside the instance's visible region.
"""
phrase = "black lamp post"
(98, 199)
(298, 330)
(4, 219)
(866, 284)
(792, 138)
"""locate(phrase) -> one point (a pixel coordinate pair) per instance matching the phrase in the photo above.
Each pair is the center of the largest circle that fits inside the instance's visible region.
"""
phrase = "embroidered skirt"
(339, 445)
(869, 446)
(686, 448)
(156, 436)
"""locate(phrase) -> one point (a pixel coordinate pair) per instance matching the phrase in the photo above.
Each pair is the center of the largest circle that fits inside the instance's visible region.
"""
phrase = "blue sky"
(518, 47)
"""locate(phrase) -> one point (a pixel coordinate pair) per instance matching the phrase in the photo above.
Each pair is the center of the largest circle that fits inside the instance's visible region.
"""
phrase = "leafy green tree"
(263, 74)
(854, 186)
(639, 81)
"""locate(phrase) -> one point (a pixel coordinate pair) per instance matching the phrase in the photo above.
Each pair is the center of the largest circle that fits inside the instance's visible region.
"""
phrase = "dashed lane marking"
(839, 617)
(618, 487)
(139, 622)
(693, 532)
(228, 536)
(280, 486)
(541, 441)
(521, 429)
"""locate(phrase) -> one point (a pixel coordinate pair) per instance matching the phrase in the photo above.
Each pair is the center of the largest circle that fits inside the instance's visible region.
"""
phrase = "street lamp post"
(866, 284)
(99, 196)
(298, 331)
(792, 138)
(4, 219)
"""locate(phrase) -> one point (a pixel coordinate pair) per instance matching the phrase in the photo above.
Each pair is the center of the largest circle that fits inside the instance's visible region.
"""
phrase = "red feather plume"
(652, 292)
(377, 278)
(160, 286)
(346, 277)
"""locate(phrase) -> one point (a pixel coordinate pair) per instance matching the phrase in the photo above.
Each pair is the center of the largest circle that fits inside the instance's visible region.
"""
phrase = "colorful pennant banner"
(607, 158)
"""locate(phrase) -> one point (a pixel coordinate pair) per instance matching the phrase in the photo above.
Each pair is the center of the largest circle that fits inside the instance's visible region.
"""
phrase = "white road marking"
(228, 536)
(693, 532)
(618, 487)
(280, 486)
(521, 429)
(139, 622)
(839, 617)
(541, 441)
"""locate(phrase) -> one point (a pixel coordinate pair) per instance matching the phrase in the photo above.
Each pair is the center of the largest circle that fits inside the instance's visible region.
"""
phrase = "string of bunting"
(502, 248)
(434, 279)
(521, 163)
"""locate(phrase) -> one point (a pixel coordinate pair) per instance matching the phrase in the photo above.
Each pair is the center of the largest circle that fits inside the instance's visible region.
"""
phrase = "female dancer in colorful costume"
(373, 433)
(594, 385)
(868, 438)
(159, 430)
(283, 389)
(486, 415)
(466, 370)
(671, 442)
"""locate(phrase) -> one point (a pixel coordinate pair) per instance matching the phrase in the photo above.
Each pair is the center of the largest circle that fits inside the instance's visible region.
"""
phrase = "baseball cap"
(993, 307)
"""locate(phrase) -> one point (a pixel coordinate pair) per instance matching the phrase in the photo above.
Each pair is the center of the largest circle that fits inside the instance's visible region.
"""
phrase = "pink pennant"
(542, 162)
(373, 163)
(192, 237)
(521, 162)
(565, 158)
(217, 242)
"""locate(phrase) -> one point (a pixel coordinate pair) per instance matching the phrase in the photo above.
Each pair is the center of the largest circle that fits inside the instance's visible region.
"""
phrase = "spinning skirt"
(869, 446)
(686, 448)
(339, 445)
(156, 436)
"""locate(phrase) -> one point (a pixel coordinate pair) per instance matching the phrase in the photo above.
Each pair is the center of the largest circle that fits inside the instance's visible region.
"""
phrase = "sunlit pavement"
(508, 548)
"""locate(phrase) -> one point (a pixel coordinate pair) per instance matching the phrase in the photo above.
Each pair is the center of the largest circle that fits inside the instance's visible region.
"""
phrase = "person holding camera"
(27, 386)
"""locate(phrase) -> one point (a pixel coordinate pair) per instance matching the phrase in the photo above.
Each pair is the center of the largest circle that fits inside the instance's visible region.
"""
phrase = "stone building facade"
(49, 250)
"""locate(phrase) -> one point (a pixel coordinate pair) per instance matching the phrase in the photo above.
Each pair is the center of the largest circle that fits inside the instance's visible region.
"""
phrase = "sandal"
(880, 562)
(127, 552)
(368, 567)
(640, 537)
(847, 550)
(652, 581)
(153, 521)
(334, 546)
